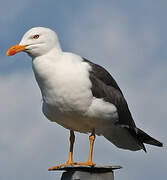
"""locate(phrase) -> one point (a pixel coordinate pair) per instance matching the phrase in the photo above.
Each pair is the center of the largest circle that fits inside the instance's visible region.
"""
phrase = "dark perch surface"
(95, 169)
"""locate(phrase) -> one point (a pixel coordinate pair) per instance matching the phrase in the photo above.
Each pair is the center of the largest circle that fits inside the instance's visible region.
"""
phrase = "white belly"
(99, 116)
(70, 120)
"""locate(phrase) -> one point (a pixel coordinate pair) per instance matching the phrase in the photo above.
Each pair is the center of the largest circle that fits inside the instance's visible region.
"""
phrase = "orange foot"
(88, 163)
(69, 163)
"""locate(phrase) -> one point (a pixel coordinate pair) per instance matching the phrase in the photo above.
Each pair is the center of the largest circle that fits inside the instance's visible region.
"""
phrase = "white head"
(36, 42)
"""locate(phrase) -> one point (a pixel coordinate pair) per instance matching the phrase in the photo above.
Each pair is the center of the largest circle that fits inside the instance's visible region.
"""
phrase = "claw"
(88, 163)
(62, 166)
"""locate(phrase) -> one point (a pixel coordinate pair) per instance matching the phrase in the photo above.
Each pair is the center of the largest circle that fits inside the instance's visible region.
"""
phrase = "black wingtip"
(154, 142)
(160, 144)
(143, 147)
(145, 138)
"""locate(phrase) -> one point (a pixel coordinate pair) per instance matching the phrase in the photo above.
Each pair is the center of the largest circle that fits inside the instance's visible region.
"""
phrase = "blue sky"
(128, 38)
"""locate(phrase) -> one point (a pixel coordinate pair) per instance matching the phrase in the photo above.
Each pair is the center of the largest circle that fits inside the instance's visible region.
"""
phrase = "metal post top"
(94, 169)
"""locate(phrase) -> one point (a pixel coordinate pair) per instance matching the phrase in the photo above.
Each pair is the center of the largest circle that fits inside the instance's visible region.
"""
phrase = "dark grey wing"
(100, 73)
(104, 86)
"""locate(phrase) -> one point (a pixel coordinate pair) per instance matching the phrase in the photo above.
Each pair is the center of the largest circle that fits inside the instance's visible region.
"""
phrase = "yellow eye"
(36, 36)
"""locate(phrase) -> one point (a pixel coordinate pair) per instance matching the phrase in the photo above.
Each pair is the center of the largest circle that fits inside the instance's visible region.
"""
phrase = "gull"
(80, 95)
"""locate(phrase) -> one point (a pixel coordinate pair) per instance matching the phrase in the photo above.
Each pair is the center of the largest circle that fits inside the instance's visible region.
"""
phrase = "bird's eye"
(36, 36)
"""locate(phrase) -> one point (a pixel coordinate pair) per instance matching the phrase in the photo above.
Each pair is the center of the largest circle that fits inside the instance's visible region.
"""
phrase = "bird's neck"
(44, 65)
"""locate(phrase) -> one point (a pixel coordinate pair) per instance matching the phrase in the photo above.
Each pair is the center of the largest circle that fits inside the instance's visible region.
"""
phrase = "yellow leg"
(90, 162)
(72, 140)
(70, 160)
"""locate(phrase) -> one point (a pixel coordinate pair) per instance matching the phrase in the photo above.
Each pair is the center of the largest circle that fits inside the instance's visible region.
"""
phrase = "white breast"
(64, 82)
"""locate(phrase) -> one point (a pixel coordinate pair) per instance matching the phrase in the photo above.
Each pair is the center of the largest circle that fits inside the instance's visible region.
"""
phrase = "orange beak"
(15, 49)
